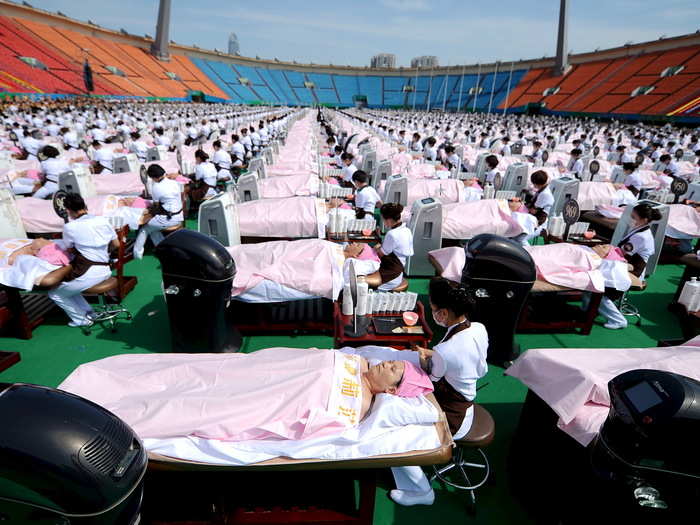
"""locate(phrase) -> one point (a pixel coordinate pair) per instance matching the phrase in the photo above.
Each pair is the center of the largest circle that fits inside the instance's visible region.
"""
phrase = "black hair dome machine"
(649, 441)
(65, 460)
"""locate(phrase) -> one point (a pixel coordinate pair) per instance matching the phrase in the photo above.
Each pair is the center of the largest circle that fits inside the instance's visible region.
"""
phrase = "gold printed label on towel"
(345, 401)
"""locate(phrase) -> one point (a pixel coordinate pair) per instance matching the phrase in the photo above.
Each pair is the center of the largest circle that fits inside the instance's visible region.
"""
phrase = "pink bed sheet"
(293, 218)
(452, 261)
(684, 219)
(465, 220)
(277, 393)
(592, 194)
(291, 186)
(307, 265)
(573, 381)
(568, 265)
(128, 183)
(38, 215)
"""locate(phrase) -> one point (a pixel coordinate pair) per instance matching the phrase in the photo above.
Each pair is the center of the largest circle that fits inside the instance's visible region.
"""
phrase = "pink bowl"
(589, 234)
(410, 318)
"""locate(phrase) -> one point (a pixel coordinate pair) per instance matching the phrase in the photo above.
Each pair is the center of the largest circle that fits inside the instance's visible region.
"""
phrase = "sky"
(349, 33)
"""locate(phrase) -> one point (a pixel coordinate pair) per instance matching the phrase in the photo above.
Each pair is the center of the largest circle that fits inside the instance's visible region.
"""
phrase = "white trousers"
(46, 191)
(413, 479)
(153, 230)
(611, 312)
(23, 185)
(68, 295)
(607, 309)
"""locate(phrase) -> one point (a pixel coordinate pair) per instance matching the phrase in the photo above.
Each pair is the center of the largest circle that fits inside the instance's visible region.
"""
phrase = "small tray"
(386, 325)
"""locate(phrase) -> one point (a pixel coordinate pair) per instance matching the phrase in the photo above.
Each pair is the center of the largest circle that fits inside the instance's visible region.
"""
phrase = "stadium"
(244, 290)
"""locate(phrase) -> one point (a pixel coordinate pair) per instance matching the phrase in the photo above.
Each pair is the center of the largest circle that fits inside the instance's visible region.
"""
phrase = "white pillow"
(389, 411)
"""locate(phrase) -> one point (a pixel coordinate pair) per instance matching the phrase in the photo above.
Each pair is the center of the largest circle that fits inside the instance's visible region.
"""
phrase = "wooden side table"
(399, 341)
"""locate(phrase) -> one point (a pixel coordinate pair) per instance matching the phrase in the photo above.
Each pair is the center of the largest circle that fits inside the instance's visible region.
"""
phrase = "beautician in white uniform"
(637, 246)
(90, 236)
(396, 248)
(366, 197)
(454, 365)
(166, 210)
(52, 167)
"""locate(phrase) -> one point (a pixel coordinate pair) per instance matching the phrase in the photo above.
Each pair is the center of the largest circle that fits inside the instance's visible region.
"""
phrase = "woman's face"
(637, 221)
(385, 377)
(439, 315)
(353, 250)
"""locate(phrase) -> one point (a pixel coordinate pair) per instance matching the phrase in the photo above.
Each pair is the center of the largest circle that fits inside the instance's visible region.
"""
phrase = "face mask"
(439, 319)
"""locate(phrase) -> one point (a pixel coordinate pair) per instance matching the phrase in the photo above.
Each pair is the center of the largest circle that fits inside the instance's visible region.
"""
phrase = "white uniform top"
(399, 241)
(366, 199)
(207, 172)
(491, 175)
(90, 235)
(71, 138)
(462, 359)
(99, 134)
(640, 243)
(348, 172)
(222, 158)
(104, 157)
(576, 168)
(167, 192)
(455, 161)
(31, 145)
(52, 168)
(430, 153)
(634, 179)
(162, 140)
(140, 148)
(506, 152)
(545, 200)
(238, 150)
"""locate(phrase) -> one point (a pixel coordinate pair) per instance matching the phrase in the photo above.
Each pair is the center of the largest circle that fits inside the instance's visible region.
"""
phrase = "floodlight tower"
(562, 64)
(159, 48)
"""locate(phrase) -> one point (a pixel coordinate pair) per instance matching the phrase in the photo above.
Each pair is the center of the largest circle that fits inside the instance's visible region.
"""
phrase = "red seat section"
(606, 86)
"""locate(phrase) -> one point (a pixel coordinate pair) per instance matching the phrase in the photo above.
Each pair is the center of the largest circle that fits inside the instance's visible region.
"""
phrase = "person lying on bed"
(25, 263)
(272, 394)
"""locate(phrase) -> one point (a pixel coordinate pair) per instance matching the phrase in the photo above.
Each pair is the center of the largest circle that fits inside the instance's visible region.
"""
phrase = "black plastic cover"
(190, 254)
(61, 452)
(493, 257)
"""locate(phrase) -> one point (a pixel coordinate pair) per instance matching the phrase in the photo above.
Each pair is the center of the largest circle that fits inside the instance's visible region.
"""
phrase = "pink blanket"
(573, 381)
(312, 266)
(128, 183)
(568, 265)
(293, 218)
(278, 393)
(465, 220)
(38, 215)
(291, 186)
(452, 261)
(446, 191)
(562, 264)
(592, 194)
(684, 219)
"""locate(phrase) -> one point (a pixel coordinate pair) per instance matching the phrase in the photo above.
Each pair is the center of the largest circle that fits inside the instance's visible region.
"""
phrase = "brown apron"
(390, 266)
(452, 402)
(80, 265)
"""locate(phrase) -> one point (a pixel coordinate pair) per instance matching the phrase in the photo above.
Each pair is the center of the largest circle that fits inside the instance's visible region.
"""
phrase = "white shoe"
(614, 326)
(408, 498)
(73, 324)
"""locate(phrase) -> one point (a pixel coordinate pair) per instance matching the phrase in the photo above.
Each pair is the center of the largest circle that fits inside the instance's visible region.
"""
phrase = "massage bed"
(195, 473)
(289, 286)
(566, 404)
(27, 304)
(545, 309)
